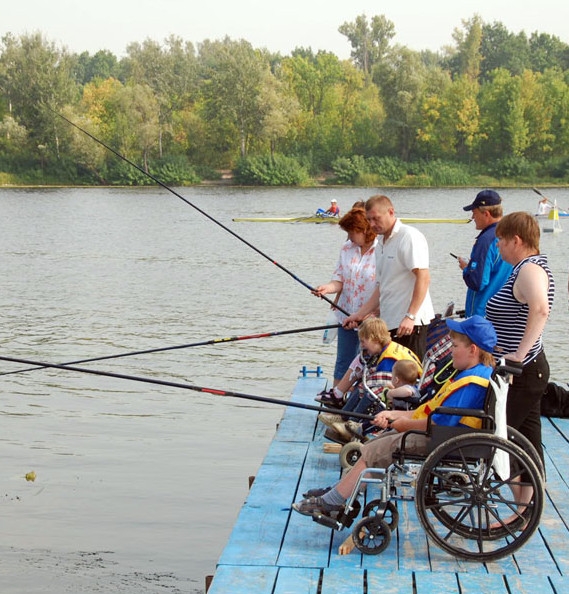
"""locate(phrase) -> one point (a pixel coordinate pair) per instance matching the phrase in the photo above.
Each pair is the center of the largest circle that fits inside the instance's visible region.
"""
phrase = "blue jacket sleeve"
(477, 274)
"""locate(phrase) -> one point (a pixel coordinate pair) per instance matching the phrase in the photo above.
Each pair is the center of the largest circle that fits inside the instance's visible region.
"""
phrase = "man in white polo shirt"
(402, 276)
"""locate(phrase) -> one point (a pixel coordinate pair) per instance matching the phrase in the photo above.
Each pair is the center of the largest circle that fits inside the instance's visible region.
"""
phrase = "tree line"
(491, 107)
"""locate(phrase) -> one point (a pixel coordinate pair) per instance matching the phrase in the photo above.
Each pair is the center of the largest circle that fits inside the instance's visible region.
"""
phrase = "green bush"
(441, 173)
(512, 167)
(267, 170)
(121, 173)
(555, 167)
(347, 169)
(389, 169)
(175, 170)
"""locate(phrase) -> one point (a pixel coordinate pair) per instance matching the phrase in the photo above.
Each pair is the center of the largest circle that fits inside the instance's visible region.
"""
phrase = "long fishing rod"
(183, 346)
(205, 214)
(184, 386)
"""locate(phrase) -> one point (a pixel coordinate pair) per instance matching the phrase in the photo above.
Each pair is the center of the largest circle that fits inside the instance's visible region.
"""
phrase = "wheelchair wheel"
(385, 511)
(371, 535)
(350, 453)
(464, 505)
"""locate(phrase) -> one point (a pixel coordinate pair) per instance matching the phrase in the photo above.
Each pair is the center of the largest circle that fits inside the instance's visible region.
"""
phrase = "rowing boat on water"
(315, 219)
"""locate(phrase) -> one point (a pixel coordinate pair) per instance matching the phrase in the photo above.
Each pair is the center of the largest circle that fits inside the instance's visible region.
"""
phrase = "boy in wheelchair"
(473, 340)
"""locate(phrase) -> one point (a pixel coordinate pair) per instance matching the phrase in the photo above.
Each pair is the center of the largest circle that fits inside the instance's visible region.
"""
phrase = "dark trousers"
(523, 408)
(416, 341)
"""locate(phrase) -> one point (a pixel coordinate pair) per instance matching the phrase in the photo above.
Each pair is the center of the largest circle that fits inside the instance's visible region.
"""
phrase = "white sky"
(278, 25)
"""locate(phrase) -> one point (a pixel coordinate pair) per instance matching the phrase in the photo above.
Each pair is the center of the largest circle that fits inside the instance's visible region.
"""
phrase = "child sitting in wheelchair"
(368, 374)
(473, 341)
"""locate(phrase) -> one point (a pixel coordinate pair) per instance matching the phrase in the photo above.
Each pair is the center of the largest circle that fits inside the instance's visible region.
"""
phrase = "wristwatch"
(410, 316)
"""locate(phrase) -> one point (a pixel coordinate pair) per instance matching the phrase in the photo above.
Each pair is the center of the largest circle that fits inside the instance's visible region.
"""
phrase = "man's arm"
(422, 281)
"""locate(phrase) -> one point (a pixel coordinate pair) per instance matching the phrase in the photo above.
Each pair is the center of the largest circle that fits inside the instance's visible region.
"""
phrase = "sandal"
(329, 399)
(315, 505)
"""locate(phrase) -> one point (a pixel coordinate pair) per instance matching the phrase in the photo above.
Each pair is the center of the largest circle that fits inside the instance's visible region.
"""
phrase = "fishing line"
(183, 346)
(205, 214)
(184, 386)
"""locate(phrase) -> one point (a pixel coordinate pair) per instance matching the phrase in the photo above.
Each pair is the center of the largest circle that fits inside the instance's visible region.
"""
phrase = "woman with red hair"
(353, 282)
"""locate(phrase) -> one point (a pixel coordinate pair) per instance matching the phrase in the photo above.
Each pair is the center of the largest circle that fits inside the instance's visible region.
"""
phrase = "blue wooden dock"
(273, 550)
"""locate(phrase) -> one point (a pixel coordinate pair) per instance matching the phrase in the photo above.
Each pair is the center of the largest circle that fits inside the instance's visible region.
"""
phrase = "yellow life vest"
(396, 351)
(449, 388)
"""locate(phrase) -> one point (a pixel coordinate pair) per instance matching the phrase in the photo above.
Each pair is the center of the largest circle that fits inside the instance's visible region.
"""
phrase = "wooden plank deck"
(273, 550)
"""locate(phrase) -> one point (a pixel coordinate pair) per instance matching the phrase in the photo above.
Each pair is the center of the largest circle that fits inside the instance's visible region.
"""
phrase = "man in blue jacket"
(485, 272)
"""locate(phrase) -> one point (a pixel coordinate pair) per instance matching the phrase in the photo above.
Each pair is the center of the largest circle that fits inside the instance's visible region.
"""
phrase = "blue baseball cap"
(478, 329)
(485, 198)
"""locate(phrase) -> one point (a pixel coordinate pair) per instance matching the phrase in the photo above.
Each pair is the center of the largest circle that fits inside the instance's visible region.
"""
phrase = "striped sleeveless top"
(509, 317)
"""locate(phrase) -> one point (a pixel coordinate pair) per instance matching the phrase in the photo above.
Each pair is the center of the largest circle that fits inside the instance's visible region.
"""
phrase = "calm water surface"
(138, 485)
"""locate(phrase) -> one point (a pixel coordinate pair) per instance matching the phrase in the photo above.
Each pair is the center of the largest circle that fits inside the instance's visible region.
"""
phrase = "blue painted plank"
(243, 580)
(389, 582)
(298, 424)
(529, 584)
(258, 532)
(560, 583)
(477, 584)
(297, 581)
(307, 543)
(439, 582)
(343, 581)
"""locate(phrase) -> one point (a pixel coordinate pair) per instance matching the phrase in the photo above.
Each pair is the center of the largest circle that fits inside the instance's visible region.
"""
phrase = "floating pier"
(273, 550)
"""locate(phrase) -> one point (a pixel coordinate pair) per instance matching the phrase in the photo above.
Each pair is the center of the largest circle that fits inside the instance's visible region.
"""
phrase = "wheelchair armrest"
(507, 367)
(459, 412)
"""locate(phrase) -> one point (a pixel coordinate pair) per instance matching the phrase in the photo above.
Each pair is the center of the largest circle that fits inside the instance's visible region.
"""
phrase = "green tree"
(232, 77)
(369, 40)
(555, 87)
(502, 49)
(170, 70)
(102, 65)
(280, 108)
(547, 51)
(468, 43)
(402, 82)
(132, 122)
(502, 113)
(36, 79)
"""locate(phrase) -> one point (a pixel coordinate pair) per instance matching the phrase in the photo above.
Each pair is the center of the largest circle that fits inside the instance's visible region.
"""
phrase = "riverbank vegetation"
(492, 109)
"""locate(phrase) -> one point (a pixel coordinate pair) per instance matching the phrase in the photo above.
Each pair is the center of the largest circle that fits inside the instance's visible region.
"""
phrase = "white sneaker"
(342, 430)
(330, 418)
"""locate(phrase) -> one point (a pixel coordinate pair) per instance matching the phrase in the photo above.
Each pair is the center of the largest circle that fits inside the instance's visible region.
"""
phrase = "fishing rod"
(183, 346)
(184, 386)
(205, 214)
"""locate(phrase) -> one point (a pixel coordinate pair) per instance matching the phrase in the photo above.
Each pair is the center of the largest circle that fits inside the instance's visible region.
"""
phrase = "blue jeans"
(348, 348)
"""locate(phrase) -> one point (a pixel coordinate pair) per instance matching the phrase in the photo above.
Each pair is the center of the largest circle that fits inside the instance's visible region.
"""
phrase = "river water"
(137, 486)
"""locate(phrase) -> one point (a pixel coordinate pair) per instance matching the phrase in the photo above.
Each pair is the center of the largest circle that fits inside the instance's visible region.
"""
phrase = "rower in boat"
(333, 210)
(543, 207)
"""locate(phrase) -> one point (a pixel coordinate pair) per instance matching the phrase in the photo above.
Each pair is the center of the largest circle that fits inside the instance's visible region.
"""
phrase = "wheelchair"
(463, 487)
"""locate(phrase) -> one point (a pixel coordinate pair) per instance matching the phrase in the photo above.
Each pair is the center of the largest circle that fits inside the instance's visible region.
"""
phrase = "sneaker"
(316, 492)
(330, 418)
(342, 431)
(336, 437)
(315, 505)
(355, 429)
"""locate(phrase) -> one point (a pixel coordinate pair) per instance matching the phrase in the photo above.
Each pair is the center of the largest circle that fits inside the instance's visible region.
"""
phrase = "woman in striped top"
(518, 312)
